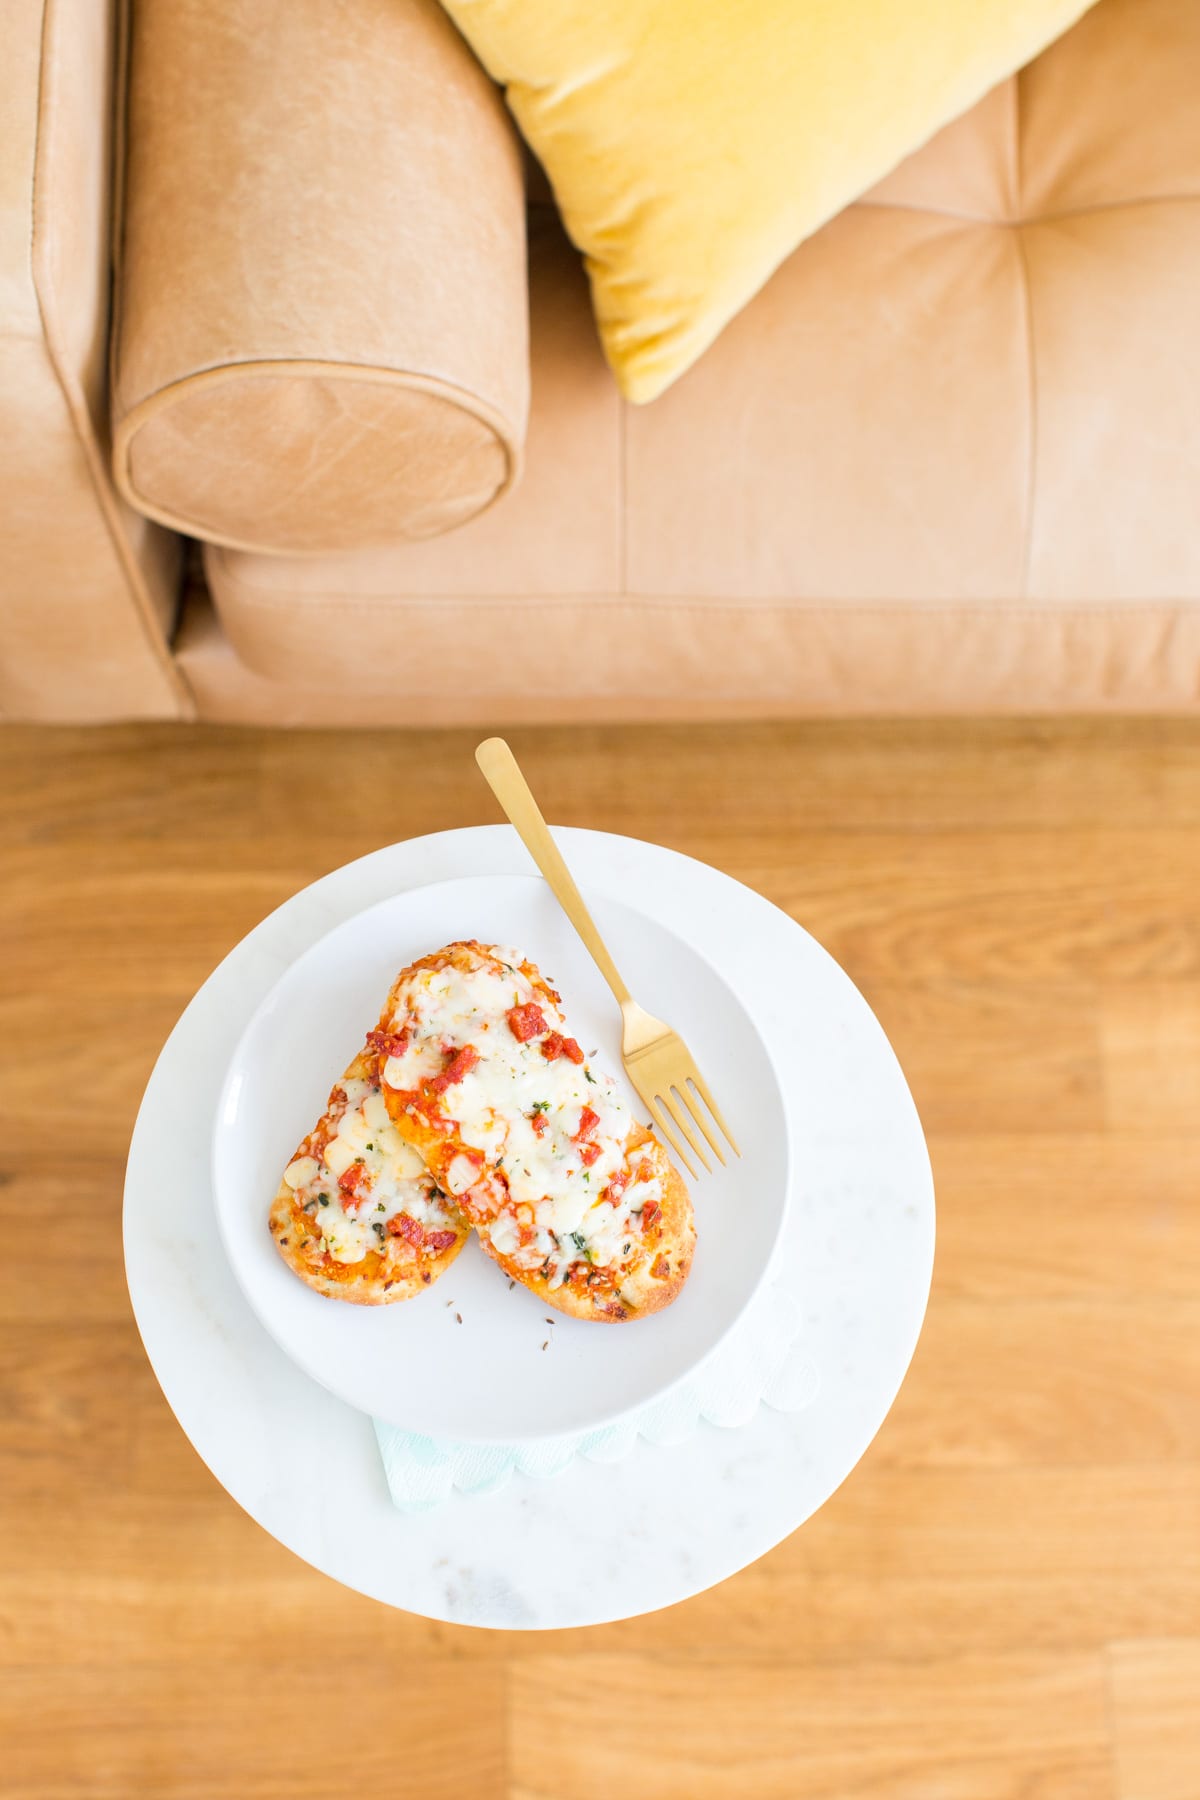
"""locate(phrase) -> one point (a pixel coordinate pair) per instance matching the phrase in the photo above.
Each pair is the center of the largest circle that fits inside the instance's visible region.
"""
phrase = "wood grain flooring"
(1002, 1602)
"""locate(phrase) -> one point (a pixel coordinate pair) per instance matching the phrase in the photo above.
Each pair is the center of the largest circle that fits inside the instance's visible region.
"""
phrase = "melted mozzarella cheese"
(393, 1172)
(523, 1113)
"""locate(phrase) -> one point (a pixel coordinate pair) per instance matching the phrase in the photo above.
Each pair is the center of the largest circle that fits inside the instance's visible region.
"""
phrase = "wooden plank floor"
(1002, 1602)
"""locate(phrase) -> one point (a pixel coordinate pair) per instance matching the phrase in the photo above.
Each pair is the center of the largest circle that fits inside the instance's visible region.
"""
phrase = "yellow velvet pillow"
(692, 144)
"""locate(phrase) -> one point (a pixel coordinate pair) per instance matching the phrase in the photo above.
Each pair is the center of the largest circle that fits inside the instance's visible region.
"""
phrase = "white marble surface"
(635, 1535)
(763, 1361)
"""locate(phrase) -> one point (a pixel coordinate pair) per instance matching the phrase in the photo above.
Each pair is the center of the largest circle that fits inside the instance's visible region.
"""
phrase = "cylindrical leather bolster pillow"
(322, 322)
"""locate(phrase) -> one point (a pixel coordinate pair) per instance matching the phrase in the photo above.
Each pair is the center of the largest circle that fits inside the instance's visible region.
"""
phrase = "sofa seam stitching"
(1031, 395)
(1015, 186)
(120, 157)
(1047, 218)
(836, 609)
(1031, 384)
(623, 522)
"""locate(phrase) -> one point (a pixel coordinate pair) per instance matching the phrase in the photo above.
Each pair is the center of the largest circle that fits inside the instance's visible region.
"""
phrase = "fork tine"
(679, 1118)
(662, 1125)
(685, 1095)
(701, 1087)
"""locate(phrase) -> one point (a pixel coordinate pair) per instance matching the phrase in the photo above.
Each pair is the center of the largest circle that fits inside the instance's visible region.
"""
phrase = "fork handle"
(503, 775)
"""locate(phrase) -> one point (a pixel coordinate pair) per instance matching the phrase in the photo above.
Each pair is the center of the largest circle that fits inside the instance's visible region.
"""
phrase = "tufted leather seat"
(946, 459)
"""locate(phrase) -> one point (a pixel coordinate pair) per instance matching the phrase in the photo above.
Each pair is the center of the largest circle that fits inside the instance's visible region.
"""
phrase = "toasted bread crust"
(415, 1127)
(395, 1272)
(375, 1281)
(641, 1292)
(654, 1275)
(655, 1258)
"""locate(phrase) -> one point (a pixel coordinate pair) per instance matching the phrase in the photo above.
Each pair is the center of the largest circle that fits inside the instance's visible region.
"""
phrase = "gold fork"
(657, 1061)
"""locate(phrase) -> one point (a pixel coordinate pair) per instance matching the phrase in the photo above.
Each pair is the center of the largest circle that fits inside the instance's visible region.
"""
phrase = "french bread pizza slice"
(533, 1141)
(358, 1216)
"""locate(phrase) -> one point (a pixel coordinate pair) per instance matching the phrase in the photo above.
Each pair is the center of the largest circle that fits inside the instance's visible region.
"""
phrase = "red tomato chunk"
(461, 1064)
(526, 1022)
(355, 1184)
(588, 1121)
(617, 1186)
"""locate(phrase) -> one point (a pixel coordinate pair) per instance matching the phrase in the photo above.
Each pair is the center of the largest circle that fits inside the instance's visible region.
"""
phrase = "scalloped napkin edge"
(763, 1362)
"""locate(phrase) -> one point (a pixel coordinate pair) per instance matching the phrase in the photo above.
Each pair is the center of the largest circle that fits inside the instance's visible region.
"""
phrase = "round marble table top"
(602, 1541)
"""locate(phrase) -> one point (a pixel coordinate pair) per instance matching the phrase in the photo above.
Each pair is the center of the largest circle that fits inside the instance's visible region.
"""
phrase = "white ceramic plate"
(510, 1370)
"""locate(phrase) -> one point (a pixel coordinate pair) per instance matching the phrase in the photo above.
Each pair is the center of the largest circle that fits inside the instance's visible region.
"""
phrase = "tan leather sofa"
(949, 459)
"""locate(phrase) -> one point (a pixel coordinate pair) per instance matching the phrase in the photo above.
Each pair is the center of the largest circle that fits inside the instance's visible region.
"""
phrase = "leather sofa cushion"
(946, 457)
(693, 144)
(322, 327)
